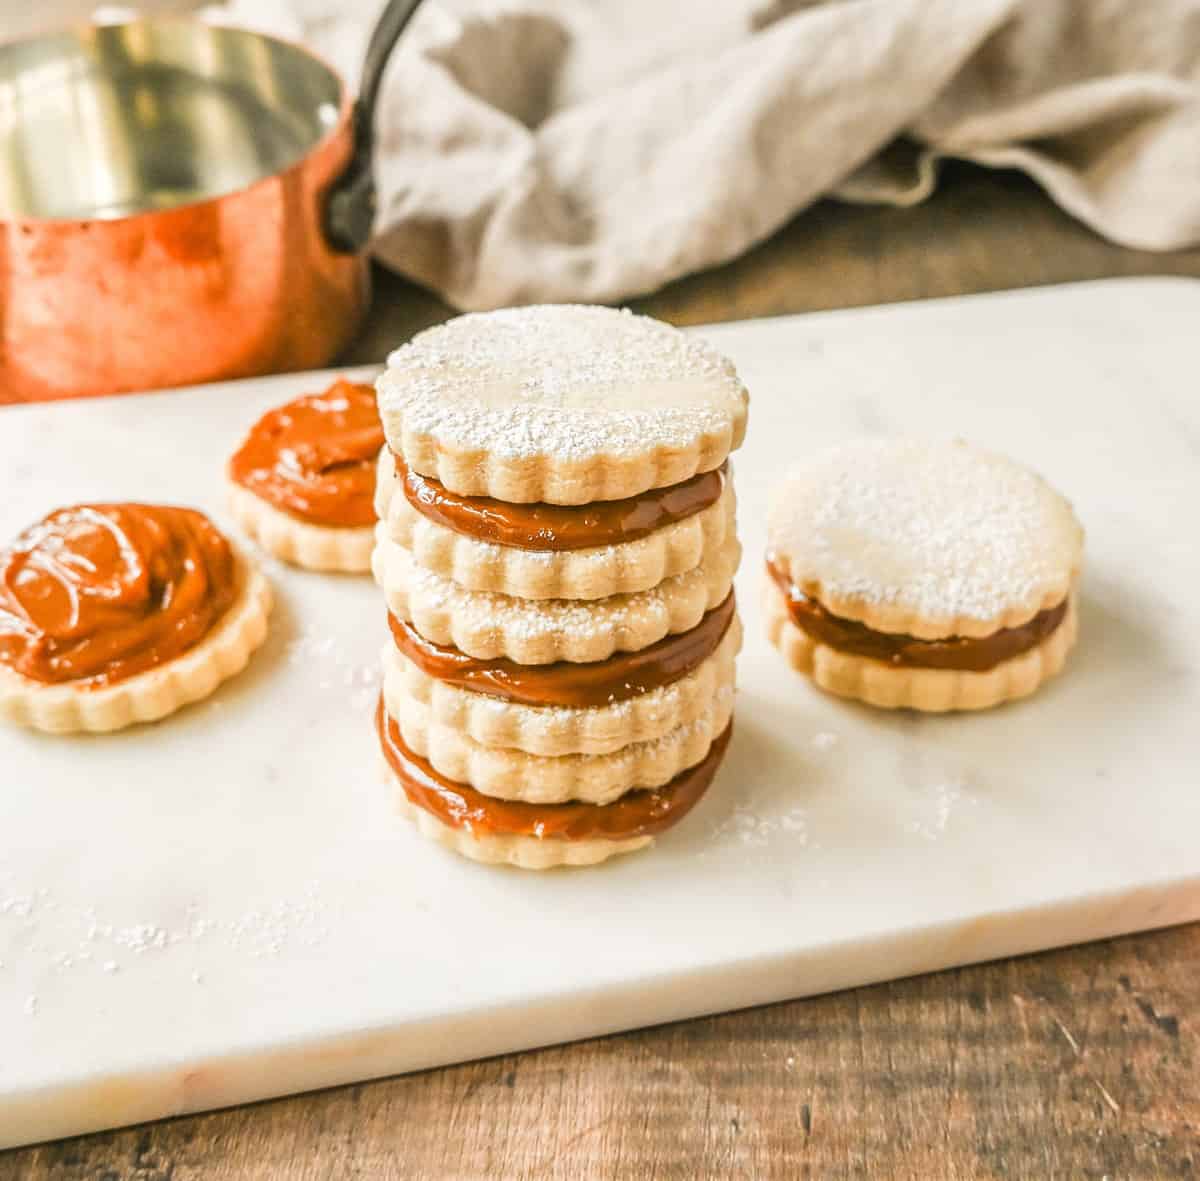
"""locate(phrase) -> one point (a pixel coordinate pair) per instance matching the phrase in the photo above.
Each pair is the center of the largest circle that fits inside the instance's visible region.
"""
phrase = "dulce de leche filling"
(555, 526)
(599, 683)
(314, 458)
(635, 814)
(955, 653)
(97, 593)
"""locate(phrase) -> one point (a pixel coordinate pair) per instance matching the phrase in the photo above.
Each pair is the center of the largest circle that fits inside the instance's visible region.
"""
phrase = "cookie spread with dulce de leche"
(118, 613)
(314, 457)
(97, 593)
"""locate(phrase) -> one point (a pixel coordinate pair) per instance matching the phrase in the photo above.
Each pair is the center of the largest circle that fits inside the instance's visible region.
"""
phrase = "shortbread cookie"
(324, 548)
(563, 730)
(929, 539)
(539, 779)
(562, 404)
(536, 836)
(487, 625)
(120, 613)
(931, 690)
(585, 573)
(302, 482)
(931, 575)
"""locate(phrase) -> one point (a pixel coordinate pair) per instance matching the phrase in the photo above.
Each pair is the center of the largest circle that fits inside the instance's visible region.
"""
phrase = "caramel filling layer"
(558, 527)
(635, 814)
(602, 682)
(955, 653)
(314, 458)
(97, 593)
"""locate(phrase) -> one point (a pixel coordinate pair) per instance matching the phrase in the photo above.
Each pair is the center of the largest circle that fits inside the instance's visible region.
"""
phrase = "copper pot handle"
(350, 200)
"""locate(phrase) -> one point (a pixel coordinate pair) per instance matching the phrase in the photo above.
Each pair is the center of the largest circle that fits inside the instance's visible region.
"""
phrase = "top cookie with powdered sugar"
(562, 404)
(927, 538)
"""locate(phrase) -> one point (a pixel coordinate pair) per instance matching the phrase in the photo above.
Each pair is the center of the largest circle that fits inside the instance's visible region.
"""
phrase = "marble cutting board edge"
(222, 908)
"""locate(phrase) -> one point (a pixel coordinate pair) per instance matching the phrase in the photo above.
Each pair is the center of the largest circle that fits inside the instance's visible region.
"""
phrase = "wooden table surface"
(1077, 1063)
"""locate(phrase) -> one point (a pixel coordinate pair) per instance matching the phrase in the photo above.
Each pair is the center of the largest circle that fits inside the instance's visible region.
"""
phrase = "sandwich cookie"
(566, 708)
(536, 836)
(923, 575)
(548, 551)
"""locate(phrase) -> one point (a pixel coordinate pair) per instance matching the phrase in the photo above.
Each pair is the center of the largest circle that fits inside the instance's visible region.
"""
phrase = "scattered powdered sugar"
(938, 804)
(20, 905)
(824, 740)
(942, 529)
(267, 931)
(78, 940)
(567, 381)
(141, 937)
(334, 669)
(756, 827)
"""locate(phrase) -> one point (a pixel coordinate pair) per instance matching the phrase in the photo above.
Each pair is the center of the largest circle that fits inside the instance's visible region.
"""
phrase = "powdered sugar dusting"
(943, 530)
(567, 381)
(936, 805)
(754, 827)
(334, 668)
(81, 941)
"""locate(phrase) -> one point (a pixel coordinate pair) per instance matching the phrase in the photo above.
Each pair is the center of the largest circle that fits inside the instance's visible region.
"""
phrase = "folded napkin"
(595, 149)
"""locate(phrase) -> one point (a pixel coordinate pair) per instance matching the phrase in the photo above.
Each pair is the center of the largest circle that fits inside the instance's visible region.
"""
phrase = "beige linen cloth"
(595, 149)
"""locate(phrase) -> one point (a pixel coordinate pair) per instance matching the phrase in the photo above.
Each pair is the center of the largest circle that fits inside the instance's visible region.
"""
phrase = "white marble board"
(221, 907)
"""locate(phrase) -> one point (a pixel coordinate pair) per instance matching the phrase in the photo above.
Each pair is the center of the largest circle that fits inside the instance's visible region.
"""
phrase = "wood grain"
(1077, 1063)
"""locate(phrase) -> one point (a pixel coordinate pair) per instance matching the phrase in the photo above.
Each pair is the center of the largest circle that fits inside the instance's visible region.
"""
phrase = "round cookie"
(560, 404)
(302, 481)
(922, 574)
(98, 557)
(326, 549)
(541, 631)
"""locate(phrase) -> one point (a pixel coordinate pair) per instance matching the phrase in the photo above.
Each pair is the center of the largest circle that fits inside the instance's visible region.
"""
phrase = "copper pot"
(181, 202)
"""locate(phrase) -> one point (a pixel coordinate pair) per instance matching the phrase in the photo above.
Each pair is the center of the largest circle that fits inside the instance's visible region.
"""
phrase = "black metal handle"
(350, 201)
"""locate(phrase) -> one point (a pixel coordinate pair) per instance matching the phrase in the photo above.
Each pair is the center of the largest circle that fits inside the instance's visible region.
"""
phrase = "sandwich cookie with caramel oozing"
(303, 481)
(549, 551)
(924, 575)
(559, 452)
(566, 708)
(556, 546)
(536, 836)
(112, 614)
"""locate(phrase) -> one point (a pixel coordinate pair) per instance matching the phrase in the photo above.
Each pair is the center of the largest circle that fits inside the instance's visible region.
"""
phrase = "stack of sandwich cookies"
(924, 575)
(557, 548)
